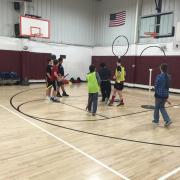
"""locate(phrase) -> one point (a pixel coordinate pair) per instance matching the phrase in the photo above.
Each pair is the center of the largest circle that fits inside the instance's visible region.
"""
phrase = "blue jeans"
(159, 106)
(92, 102)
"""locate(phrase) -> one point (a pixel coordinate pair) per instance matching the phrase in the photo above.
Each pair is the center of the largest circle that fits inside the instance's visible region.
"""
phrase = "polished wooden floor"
(121, 138)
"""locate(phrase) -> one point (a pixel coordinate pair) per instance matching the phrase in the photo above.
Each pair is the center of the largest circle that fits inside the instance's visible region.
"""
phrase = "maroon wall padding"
(110, 61)
(25, 58)
(34, 65)
(140, 73)
(38, 63)
(129, 63)
(10, 61)
(143, 64)
(28, 65)
(174, 70)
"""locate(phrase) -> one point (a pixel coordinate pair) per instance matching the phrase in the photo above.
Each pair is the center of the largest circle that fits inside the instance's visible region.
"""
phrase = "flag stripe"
(117, 19)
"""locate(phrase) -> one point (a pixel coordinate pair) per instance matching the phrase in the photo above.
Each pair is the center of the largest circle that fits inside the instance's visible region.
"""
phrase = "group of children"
(54, 79)
(101, 80)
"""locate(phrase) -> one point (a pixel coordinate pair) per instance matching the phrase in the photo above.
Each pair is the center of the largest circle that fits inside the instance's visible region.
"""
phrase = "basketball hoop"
(34, 27)
(150, 34)
(38, 35)
(35, 32)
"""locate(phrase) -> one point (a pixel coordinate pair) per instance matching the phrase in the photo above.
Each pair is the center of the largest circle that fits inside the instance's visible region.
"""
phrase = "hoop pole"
(138, 9)
(150, 79)
(25, 8)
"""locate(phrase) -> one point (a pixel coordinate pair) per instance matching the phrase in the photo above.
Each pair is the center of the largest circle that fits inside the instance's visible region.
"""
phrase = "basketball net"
(37, 35)
(150, 34)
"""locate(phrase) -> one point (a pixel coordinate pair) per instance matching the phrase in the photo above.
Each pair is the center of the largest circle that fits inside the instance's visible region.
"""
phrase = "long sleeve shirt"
(105, 74)
(162, 84)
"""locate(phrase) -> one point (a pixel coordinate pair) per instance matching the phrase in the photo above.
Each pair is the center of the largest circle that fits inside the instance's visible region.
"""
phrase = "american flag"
(117, 19)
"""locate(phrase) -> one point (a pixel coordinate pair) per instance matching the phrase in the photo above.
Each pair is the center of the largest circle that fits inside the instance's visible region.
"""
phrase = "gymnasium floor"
(52, 141)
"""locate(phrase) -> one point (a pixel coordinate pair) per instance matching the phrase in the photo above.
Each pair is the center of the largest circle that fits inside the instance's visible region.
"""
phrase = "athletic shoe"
(65, 94)
(110, 103)
(59, 95)
(57, 100)
(155, 122)
(167, 123)
(54, 99)
(88, 110)
(121, 104)
(48, 98)
(106, 100)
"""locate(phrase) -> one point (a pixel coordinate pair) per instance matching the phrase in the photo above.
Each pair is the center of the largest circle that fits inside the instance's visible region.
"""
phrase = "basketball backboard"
(161, 24)
(34, 27)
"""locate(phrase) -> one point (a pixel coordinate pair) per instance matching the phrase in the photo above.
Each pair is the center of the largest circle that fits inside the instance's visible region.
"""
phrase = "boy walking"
(162, 83)
(93, 81)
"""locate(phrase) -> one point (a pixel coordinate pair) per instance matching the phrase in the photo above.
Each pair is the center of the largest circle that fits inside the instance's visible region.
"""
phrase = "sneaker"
(110, 103)
(155, 122)
(93, 114)
(59, 95)
(48, 98)
(65, 94)
(88, 110)
(51, 99)
(54, 99)
(167, 123)
(121, 104)
(106, 100)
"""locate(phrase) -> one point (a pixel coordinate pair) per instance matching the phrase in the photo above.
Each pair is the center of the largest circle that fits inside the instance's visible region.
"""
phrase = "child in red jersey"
(55, 76)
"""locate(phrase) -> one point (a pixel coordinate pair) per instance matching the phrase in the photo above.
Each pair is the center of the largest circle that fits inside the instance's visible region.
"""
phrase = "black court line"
(84, 120)
(91, 133)
(104, 119)
(50, 119)
(83, 110)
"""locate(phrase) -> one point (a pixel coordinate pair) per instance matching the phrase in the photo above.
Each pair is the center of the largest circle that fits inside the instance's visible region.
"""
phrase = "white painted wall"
(104, 35)
(85, 22)
(135, 50)
(7, 43)
(72, 21)
(77, 61)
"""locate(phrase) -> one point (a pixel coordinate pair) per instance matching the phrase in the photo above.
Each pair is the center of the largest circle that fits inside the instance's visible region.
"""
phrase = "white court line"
(68, 144)
(169, 174)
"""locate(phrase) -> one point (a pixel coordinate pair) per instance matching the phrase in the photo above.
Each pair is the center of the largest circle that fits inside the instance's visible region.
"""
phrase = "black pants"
(105, 89)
